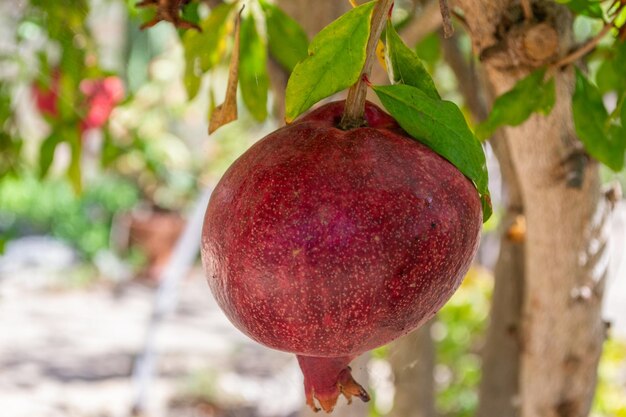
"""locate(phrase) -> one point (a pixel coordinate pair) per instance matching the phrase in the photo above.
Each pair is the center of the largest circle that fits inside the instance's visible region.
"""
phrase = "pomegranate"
(102, 95)
(328, 243)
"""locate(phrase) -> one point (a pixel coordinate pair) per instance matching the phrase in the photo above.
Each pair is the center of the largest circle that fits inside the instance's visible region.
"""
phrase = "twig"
(583, 50)
(527, 9)
(448, 30)
(355, 103)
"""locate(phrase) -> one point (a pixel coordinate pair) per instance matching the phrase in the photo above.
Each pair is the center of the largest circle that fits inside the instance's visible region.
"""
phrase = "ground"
(70, 352)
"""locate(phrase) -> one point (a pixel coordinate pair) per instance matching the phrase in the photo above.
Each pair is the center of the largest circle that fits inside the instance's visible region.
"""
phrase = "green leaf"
(440, 125)
(286, 39)
(529, 95)
(253, 78)
(604, 141)
(611, 75)
(405, 67)
(191, 13)
(203, 50)
(336, 58)
(588, 8)
(73, 170)
(46, 151)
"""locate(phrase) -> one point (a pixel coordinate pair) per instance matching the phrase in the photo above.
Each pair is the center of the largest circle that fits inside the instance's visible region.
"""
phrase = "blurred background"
(105, 171)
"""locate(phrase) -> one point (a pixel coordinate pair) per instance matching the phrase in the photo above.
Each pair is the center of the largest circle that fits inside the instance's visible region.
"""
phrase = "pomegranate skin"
(325, 242)
(328, 243)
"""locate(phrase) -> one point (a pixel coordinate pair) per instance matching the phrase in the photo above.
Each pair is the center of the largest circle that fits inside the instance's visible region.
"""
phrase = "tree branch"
(355, 103)
(583, 50)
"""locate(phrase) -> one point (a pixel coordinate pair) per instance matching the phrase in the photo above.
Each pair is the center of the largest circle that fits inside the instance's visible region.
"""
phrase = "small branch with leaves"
(615, 11)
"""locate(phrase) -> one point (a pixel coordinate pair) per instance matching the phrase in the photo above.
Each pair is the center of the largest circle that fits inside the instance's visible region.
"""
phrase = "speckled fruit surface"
(328, 243)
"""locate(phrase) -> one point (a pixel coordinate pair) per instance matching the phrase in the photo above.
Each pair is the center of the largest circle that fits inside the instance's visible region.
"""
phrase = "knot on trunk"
(526, 45)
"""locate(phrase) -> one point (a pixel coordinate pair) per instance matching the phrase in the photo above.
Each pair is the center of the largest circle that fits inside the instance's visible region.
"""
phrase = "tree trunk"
(412, 362)
(561, 332)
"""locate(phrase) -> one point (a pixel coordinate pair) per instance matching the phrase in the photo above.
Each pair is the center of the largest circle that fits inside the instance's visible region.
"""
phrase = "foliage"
(336, 58)
(253, 78)
(459, 334)
(283, 39)
(204, 50)
(610, 400)
(603, 135)
(10, 142)
(287, 41)
(29, 206)
(405, 67)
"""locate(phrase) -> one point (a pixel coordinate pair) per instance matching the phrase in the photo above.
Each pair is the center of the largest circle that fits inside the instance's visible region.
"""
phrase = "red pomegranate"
(101, 95)
(328, 243)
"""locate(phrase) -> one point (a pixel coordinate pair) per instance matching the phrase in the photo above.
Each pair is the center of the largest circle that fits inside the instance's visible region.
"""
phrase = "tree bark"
(412, 361)
(561, 332)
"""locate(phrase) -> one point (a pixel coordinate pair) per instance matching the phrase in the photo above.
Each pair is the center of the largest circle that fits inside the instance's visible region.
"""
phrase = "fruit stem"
(355, 103)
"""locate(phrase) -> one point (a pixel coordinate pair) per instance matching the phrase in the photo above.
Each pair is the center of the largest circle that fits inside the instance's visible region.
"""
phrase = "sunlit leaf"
(405, 67)
(604, 141)
(203, 50)
(286, 39)
(336, 58)
(529, 95)
(441, 126)
(253, 77)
